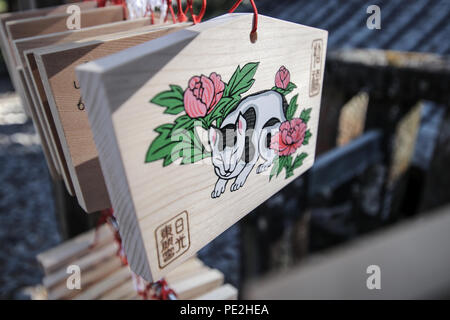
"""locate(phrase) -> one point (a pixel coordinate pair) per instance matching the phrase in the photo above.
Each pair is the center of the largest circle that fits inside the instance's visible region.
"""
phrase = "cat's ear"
(213, 137)
(241, 125)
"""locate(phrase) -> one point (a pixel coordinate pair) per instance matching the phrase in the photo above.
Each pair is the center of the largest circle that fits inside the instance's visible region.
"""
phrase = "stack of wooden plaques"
(103, 276)
(41, 55)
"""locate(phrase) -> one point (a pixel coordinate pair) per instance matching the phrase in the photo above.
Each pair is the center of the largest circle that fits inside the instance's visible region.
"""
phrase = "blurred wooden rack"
(103, 277)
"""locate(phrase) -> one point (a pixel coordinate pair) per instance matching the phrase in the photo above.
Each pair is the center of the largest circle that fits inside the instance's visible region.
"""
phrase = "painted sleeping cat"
(244, 137)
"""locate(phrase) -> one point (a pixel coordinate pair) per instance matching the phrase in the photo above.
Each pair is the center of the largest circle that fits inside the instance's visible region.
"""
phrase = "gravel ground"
(27, 214)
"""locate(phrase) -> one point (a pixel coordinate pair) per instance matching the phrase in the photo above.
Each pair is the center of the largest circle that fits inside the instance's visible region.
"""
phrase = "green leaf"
(306, 115)
(299, 160)
(183, 122)
(218, 110)
(292, 108)
(276, 164)
(287, 162)
(281, 164)
(241, 80)
(308, 135)
(290, 87)
(229, 107)
(162, 146)
(189, 147)
(171, 99)
(172, 144)
(289, 172)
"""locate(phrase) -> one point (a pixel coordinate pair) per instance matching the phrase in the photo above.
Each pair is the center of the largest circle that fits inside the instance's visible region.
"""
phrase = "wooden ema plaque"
(197, 128)
(17, 74)
(25, 28)
(50, 23)
(35, 23)
(6, 17)
(24, 53)
(56, 66)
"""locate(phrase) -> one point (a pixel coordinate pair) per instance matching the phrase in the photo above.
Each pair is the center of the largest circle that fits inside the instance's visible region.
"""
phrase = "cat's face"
(227, 147)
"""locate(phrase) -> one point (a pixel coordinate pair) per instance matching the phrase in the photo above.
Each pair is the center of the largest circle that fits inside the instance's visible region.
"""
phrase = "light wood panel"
(17, 75)
(36, 24)
(34, 86)
(6, 17)
(29, 27)
(56, 66)
(48, 123)
(149, 197)
(51, 165)
(66, 252)
(103, 276)
(38, 120)
(22, 45)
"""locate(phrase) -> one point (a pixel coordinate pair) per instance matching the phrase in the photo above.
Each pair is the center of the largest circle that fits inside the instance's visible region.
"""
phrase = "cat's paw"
(218, 190)
(237, 185)
(215, 194)
(263, 167)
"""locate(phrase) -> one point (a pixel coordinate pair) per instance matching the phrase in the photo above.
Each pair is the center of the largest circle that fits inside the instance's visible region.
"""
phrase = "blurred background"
(382, 159)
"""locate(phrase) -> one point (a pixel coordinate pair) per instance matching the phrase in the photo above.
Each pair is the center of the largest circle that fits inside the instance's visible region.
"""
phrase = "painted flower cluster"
(203, 94)
(207, 100)
(293, 133)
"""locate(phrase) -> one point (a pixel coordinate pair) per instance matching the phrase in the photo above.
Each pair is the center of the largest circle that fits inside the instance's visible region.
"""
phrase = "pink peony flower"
(289, 138)
(203, 94)
(282, 78)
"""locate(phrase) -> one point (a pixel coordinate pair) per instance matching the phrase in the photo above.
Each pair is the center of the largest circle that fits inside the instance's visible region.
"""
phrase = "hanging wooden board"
(38, 25)
(24, 44)
(54, 172)
(56, 66)
(6, 17)
(153, 107)
(17, 74)
(46, 121)
(39, 119)
(35, 88)
(30, 27)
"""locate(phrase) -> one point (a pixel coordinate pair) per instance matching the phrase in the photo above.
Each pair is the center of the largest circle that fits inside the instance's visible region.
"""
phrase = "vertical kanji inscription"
(172, 239)
(316, 68)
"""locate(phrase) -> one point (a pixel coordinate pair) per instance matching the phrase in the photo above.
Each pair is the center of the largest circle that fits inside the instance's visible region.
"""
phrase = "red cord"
(255, 15)
(123, 3)
(162, 291)
(172, 13)
(181, 16)
(158, 290)
(152, 14)
(189, 7)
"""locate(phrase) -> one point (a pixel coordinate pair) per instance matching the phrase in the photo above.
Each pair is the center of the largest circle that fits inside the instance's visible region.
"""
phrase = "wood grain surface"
(6, 48)
(33, 84)
(29, 27)
(56, 66)
(118, 90)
